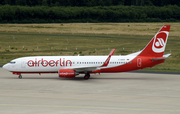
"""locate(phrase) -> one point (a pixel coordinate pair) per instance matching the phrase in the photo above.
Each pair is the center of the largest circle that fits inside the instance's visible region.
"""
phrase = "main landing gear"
(20, 76)
(87, 76)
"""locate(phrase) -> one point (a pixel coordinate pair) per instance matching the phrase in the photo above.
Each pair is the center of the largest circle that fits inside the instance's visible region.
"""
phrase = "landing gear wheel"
(19, 76)
(87, 76)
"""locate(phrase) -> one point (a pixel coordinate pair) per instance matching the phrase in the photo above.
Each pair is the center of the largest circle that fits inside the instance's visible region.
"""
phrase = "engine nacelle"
(66, 73)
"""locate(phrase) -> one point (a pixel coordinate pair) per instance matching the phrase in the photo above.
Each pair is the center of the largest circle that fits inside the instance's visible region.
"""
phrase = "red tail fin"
(157, 45)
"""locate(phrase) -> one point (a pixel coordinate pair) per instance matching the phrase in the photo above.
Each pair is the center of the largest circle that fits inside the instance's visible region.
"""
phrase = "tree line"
(90, 2)
(45, 14)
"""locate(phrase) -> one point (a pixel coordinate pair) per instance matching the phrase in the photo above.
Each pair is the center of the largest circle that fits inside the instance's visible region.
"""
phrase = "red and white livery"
(71, 66)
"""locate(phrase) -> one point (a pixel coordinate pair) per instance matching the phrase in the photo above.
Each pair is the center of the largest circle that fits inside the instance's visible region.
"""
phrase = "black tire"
(20, 77)
(87, 76)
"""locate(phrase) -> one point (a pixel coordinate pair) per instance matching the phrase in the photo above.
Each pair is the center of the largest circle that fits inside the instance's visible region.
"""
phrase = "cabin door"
(23, 64)
(139, 62)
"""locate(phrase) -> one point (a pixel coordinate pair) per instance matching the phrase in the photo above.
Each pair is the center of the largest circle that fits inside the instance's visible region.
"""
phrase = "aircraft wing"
(94, 69)
(86, 69)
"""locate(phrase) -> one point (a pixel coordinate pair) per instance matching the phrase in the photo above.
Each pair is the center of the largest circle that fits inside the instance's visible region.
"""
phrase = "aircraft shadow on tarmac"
(82, 78)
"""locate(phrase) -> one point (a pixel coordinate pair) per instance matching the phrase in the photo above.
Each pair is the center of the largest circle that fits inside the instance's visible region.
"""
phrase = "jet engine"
(66, 73)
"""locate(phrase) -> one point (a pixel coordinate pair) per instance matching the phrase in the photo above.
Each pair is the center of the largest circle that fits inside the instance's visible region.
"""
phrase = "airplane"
(71, 66)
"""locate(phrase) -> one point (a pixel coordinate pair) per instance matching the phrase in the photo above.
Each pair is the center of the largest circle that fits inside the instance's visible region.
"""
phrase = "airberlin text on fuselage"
(51, 63)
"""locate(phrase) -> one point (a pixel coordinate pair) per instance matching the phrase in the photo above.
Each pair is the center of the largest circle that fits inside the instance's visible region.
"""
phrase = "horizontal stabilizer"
(161, 58)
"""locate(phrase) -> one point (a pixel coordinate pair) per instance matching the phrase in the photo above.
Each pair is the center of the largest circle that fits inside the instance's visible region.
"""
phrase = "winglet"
(108, 59)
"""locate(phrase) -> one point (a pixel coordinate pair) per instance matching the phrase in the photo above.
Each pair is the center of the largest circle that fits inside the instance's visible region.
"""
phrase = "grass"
(92, 28)
(85, 39)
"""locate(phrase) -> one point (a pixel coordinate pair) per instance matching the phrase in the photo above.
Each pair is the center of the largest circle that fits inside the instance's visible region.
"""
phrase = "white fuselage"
(54, 63)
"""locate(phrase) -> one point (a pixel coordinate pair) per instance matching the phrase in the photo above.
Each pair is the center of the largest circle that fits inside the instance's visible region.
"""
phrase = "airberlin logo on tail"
(160, 42)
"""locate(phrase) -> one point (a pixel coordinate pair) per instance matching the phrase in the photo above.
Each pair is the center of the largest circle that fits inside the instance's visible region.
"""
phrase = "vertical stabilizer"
(157, 45)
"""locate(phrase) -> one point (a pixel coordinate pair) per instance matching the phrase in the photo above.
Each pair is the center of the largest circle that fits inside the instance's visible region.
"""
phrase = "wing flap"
(84, 68)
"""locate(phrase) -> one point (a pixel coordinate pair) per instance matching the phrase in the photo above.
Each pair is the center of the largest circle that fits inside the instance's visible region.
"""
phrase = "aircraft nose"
(5, 66)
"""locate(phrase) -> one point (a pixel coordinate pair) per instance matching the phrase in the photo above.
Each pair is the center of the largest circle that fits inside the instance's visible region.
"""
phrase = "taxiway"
(127, 93)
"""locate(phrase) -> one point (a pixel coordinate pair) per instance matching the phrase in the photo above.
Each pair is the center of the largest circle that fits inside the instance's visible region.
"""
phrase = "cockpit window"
(12, 62)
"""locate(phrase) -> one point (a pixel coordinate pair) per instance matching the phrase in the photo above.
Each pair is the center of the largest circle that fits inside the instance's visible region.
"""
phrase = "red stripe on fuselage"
(19, 72)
